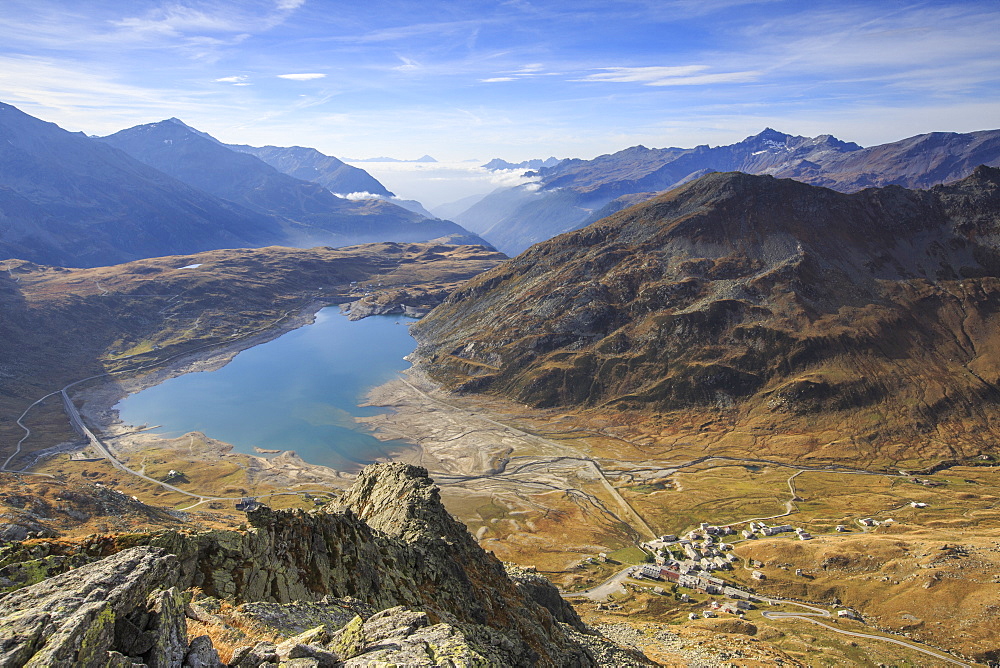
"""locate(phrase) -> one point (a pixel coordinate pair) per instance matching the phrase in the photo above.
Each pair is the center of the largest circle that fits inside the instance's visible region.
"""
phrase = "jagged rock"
(169, 629)
(438, 645)
(544, 593)
(318, 635)
(321, 656)
(119, 660)
(350, 640)
(201, 654)
(298, 617)
(608, 653)
(390, 546)
(239, 653)
(71, 619)
(309, 645)
(393, 622)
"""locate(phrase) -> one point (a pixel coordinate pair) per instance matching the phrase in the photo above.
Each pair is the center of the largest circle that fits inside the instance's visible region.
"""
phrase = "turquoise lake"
(298, 392)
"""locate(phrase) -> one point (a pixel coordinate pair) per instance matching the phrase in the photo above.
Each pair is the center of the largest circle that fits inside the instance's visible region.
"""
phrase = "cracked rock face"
(427, 594)
(78, 617)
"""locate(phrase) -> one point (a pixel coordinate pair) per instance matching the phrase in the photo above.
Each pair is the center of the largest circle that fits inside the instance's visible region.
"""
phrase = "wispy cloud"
(408, 65)
(240, 79)
(468, 28)
(302, 76)
(195, 28)
(524, 72)
(682, 75)
(73, 96)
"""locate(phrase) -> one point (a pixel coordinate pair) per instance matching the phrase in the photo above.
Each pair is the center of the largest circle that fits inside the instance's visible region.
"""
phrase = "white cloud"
(303, 76)
(496, 79)
(70, 96)
(233, 80)
(682, 75)
(533, 68)
(289, 5)
(409, 65)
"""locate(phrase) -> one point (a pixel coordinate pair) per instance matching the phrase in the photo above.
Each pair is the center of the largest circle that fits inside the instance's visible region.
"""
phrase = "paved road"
(819, 612)
(77, 421)
(612, 585)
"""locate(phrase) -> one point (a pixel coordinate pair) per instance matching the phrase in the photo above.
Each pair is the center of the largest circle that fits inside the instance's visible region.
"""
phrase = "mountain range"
(165, 188)
(308, 164)
(66, 199)
(770, 302)
(498, 164)
(312, 214)
(574, 193)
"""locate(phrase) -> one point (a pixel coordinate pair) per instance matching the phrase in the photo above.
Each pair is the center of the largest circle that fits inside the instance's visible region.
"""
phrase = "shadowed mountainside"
(66, 199)
(766, 301)
(311, 214)
(309, 164)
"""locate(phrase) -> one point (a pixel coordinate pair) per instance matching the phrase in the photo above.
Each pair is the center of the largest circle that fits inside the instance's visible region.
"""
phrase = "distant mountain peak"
(771, 133)
(173, 120)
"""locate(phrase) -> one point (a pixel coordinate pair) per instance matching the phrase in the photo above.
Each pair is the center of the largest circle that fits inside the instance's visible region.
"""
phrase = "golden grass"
(234, 631)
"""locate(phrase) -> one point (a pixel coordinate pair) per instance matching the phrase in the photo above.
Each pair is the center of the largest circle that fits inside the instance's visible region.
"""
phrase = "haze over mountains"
(771, 301)
(309, 164)
(71, 200)
(574, 193)
(314, 211)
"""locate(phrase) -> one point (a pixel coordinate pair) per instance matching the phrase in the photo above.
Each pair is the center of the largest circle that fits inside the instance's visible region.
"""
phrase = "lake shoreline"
(99, 401)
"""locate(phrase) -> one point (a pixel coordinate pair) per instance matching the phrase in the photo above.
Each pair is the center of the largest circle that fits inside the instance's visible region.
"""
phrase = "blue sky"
(519, 79)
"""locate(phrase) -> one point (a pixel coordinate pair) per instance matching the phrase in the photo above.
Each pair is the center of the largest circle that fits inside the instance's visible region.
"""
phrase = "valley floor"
(554, 490)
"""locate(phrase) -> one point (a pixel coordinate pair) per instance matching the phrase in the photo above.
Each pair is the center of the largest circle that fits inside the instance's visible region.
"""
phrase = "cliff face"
(768, 300)
(389, 547)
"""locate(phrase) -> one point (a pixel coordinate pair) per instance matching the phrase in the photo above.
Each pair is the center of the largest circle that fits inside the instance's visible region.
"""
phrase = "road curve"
(819, 612)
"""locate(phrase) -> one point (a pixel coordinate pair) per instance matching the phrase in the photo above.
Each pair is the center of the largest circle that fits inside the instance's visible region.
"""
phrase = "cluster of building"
(764, 530)
(698, 550)
(691, 579)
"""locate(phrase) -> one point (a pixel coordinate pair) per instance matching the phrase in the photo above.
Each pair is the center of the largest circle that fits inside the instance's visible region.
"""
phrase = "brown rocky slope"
(389, 552)
(758, 301)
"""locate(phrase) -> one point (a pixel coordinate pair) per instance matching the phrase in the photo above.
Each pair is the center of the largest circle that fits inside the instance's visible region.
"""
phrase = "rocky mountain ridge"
(414, 585)
(308, 164)
(765, 301)
(575, 193)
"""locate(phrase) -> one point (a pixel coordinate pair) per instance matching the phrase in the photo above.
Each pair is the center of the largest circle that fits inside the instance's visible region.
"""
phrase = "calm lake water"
(298, 392)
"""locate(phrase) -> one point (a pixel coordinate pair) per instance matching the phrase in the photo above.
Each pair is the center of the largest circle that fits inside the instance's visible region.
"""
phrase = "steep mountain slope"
(68, 200)
(309, 164)
(765, 301)
(515, 218)
(314, 215)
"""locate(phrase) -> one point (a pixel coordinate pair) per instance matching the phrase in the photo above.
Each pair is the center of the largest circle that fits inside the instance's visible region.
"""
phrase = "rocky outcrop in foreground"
(386, 575)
